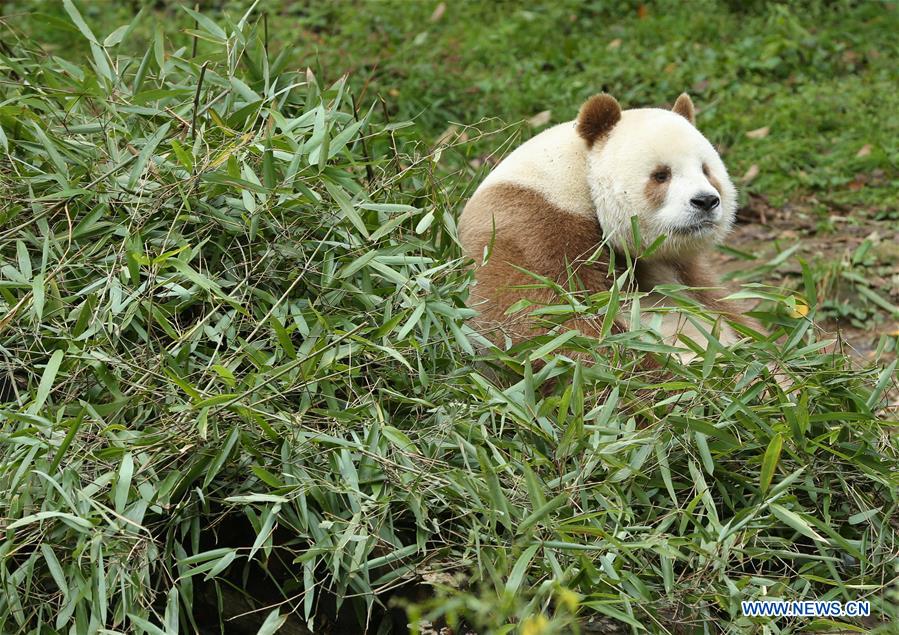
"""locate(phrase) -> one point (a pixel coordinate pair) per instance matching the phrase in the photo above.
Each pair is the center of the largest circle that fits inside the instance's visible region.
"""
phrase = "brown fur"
(715, 182)
(597, 117)
(684, 107)
(654, 191)
(535, 235)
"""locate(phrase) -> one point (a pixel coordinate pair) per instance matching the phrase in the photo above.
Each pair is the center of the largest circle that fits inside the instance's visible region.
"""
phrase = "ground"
(853, 241)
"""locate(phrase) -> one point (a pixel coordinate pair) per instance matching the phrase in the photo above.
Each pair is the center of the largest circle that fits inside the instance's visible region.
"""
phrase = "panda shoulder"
(552, 164)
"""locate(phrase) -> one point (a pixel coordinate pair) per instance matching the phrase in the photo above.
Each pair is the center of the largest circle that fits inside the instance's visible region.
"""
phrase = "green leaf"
(769, 462)
(222, 456)
(269, 179)
(542, 512)
(74, 425)
(205, 23)
(55, 569)
(607, 609)
(283, 337)
(342, 200)
(555, 343)
(123, 483)
(517, 576)
(52, 152)
(146, 152)
(425, 223)
(257, 498)
(23, 259)
(883, 380)
(116, 36)
(340, 141)
(37, 295)
(76, 521)
(244, 91)
(399, 439)
(145, 626)
(859, 518)
(795, 521)
(47, 379)
(264, 535)
(704, 454)
(184, 157)
(79, 21)
(611, 311)
(159, 49)
(221, 564)
(273, 622)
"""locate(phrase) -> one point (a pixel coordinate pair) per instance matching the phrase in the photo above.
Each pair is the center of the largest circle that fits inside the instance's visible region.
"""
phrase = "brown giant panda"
(549, 205)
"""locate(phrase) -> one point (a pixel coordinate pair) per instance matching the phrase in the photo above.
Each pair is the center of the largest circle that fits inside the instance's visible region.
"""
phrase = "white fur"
(553, 163)
(619, 169)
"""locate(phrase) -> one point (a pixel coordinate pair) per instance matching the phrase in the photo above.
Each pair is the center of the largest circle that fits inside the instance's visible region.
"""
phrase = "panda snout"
(705, 202)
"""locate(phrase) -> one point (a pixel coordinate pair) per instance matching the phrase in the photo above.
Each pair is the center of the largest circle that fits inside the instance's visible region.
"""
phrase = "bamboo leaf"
(123, 483)
(47, 380)
(769, 462)
(795, 521)
(273, 623)
(146, 152)
(517, 576)
(78, 20)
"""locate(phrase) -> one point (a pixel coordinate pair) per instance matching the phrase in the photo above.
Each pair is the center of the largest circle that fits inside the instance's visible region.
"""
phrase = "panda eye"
(661, 176)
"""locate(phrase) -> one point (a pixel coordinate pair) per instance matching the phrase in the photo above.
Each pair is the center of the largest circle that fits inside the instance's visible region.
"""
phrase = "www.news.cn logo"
(810, 608)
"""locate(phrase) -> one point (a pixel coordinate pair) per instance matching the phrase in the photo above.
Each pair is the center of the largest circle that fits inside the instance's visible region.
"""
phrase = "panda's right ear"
(684, 107)
(597, 117)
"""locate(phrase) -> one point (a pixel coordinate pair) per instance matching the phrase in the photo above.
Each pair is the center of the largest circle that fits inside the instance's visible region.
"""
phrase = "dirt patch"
(846, 249)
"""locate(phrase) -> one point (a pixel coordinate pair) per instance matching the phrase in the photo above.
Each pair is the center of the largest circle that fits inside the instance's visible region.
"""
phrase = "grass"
(238, 391)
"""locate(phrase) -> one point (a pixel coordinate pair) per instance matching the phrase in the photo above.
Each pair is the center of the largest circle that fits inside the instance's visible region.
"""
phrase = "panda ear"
(597, 117)
(684, 107)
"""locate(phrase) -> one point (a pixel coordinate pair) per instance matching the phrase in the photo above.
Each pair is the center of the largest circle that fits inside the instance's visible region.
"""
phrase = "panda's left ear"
(597, 117)
(684, 107)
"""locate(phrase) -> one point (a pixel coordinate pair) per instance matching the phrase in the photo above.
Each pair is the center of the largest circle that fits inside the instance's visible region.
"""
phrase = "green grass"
(821, 76)
(799, 71)
(237, 379)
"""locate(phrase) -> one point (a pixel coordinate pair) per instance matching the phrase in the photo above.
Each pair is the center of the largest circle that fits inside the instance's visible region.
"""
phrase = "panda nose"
(705, 202)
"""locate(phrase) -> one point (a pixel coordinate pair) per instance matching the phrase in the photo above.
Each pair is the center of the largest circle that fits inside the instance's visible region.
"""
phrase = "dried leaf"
(447, 135)
(751, 173)
(857, 183)
(540, 119)
(614, 44)
(864, 151)
(759, 133)
(438, 12)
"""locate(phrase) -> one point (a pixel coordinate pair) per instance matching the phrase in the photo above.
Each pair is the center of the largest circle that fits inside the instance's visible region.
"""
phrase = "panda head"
(654, 164)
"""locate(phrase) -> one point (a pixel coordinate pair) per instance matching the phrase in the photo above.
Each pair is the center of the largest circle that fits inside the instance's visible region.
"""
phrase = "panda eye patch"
(661, 175)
